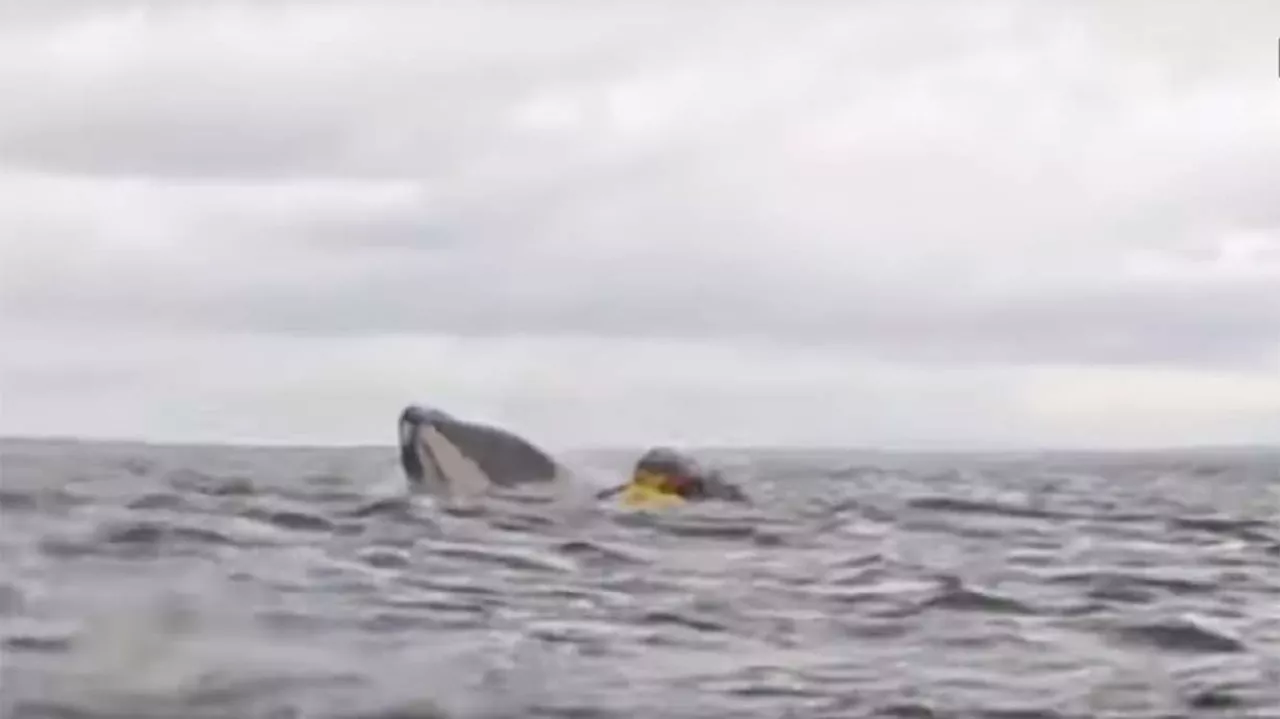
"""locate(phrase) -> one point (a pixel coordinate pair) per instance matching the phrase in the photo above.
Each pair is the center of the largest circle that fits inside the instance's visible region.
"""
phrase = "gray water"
(223, 582)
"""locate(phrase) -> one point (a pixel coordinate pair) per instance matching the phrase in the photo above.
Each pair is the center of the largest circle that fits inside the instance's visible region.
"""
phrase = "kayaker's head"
(665, 470)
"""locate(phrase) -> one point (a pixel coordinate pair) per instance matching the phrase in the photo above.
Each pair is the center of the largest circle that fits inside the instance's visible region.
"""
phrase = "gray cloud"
(1039, 318)
(999, 184)
(292, 89)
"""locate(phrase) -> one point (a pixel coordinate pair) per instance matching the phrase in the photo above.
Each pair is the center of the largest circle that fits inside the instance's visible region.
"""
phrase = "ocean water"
(194, 582)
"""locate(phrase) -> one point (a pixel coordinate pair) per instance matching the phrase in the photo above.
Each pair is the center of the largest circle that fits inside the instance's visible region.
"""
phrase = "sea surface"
(140, 581)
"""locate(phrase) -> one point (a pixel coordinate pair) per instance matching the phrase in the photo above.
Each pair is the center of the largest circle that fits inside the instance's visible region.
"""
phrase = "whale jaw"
(443, 454)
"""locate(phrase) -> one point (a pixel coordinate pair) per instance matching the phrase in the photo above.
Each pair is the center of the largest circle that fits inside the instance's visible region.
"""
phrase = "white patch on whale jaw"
(462, 477)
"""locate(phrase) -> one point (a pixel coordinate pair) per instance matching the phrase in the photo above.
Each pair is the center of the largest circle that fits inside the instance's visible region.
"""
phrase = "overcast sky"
(886, 224)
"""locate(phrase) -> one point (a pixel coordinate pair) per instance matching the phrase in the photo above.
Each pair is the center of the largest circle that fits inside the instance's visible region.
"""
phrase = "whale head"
(443, 454)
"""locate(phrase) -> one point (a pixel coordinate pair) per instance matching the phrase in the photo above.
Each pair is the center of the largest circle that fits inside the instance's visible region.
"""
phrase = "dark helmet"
(667, 461)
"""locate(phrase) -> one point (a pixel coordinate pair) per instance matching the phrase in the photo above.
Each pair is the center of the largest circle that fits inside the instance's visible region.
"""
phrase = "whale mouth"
(416, 459)
(446, 455)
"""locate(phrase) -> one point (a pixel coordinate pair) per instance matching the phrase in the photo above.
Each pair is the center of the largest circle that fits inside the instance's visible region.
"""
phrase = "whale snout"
(416, 415)
(412, 462)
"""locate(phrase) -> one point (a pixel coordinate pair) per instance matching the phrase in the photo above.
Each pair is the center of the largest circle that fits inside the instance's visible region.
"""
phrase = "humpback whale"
(445, 455)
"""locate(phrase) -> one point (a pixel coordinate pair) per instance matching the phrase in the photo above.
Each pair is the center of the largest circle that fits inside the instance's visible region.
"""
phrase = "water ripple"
(226, 582)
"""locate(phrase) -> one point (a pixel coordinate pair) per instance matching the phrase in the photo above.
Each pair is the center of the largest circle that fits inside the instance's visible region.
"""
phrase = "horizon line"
(925, 448)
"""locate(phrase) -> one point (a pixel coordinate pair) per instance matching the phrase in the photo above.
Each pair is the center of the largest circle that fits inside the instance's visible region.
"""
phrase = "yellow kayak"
(638, 496)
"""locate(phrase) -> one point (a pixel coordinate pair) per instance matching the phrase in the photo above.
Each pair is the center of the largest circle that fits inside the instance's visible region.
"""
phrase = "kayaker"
(671, 472)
